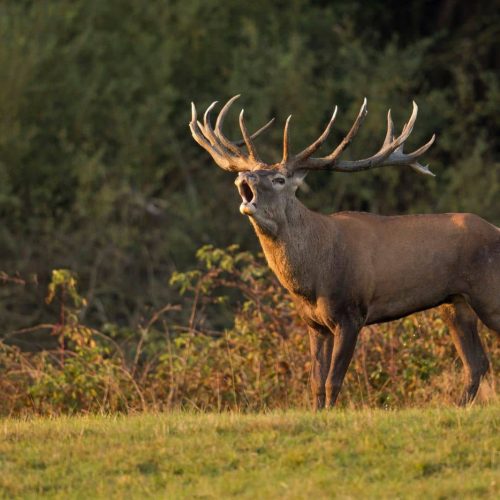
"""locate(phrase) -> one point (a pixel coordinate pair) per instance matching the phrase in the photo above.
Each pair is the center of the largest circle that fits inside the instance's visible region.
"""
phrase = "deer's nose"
(248, 177)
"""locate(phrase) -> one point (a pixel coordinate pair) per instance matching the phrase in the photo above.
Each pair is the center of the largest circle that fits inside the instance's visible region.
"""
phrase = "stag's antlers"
(229, 156)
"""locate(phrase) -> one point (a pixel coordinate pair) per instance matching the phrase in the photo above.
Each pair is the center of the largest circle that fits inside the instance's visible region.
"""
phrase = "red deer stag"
(350, 269)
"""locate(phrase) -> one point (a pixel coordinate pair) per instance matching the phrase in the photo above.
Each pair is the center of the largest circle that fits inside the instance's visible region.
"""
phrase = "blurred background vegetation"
(99, 173)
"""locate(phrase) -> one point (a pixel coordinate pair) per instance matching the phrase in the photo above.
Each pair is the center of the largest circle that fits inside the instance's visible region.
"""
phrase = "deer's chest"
(294, 276)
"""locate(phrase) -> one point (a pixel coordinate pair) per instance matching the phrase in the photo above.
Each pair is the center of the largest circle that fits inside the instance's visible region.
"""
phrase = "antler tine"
(248, 140)
(257, 133)
(218, 126)
(392, 144)
(422, 149)
(423, 169)
(303, 161)
(389, 136)
(220, 120)
(194, 126)
(207, 129)
(286, 141)
(200, 126)
(351, 134)
(408, 127)
(306, 153)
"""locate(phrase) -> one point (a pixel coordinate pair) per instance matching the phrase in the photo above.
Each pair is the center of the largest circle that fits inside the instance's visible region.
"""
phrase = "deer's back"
(402, 264)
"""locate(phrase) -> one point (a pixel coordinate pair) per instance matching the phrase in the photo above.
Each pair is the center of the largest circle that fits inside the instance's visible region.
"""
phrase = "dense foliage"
(99, 174)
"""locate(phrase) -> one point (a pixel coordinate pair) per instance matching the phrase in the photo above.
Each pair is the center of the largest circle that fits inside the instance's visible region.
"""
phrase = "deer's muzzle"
(246, 187)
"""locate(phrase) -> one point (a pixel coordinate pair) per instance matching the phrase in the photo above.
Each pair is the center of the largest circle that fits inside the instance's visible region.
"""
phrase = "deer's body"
(352, 269)
(385, 267)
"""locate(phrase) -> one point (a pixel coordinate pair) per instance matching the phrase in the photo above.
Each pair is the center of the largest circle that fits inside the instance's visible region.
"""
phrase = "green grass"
(431, 453)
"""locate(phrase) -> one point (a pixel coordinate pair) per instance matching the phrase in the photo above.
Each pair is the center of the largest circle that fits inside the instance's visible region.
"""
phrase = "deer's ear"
(298, 177)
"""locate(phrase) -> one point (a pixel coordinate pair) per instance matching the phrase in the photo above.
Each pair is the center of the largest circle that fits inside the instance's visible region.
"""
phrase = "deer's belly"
(404, 304)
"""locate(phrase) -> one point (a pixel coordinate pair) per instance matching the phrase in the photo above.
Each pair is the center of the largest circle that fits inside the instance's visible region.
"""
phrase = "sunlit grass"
(371, 453)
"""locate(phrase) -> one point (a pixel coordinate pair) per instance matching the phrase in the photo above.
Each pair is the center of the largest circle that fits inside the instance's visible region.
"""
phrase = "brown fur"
(352, 269)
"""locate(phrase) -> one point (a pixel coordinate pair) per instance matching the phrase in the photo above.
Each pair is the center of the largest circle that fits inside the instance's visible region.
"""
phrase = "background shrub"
(181, 358)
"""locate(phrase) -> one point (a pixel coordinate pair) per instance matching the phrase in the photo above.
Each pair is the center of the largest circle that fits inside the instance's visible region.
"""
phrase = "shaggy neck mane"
(288, 253)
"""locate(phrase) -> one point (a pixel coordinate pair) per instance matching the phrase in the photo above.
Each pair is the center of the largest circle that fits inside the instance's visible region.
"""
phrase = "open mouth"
(248, 196)
(246, 192)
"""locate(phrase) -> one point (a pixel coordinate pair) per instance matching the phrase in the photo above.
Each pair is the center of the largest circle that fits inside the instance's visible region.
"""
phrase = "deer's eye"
(278, 180)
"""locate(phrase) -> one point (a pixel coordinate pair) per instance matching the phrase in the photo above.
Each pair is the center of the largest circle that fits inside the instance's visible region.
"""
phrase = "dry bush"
(184, 357)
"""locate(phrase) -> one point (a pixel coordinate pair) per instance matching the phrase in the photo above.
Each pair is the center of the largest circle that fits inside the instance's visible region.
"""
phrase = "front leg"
(321, 344)
(345, 336)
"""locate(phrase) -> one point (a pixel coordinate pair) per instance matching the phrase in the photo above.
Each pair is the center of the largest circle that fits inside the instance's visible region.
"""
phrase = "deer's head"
(267, 189)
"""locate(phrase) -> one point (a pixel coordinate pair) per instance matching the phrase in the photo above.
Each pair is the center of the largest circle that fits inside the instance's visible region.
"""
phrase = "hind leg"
(489, 316)
(462, 322)
(484, 294)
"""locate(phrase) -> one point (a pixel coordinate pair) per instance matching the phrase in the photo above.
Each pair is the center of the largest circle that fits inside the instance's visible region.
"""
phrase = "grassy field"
(431, 453)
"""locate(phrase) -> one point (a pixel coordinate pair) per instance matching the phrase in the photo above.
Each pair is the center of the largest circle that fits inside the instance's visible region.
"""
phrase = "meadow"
(414, 453)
